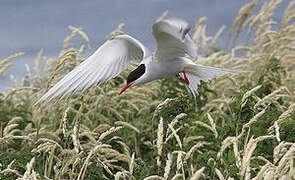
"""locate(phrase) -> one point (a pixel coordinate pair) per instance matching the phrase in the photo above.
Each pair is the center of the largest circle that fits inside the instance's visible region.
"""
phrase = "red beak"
(126, 86)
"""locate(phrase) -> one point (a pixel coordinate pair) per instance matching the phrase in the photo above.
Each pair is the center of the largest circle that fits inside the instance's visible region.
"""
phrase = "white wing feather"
(197, 73)
(173, 40)
(107, 62)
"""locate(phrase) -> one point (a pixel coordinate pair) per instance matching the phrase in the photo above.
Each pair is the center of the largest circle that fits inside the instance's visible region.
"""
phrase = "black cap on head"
(136, 73)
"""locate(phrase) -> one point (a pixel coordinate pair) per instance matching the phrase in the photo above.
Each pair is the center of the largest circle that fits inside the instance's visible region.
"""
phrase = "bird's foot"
(185, 80)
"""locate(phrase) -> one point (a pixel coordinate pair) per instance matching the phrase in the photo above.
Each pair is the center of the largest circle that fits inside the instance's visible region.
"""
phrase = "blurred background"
(29, 26)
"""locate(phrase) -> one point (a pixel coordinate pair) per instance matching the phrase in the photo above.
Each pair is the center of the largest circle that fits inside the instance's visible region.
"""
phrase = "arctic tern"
(174, 55)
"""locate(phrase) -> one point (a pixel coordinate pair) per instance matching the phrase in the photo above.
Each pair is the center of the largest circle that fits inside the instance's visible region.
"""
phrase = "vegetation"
(239, 127)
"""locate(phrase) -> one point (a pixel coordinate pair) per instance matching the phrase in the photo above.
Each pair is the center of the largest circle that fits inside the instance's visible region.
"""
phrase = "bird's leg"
(185, 80)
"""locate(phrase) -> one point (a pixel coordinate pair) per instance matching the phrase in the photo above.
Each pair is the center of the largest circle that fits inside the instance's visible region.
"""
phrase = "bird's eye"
(136, 73)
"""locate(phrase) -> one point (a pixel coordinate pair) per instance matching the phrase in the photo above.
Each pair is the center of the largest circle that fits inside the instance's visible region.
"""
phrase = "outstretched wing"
(107, 62)
(173, 40)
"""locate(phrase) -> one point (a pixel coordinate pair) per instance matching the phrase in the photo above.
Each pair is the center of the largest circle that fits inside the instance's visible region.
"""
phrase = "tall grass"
(239, 127)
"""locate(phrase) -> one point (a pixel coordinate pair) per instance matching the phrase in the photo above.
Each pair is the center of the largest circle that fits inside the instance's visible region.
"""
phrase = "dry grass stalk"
(248, 94)
(171, 135)
(126, 124)
(162, 17)
(119, 175)
(131, 164)
(288, 15)
(8, 133)
(164, 104)
(14, 120)
(263, 171)
(116, 32)
(6, 139)
(30, 173)
(204, 40)
(75, 137)
(237, 154)
(76, 31)
(14, 81)
(179, 163)
(65, 121)
(108, 132)
(11, 92)
(46, 146)
(87, 161)
(285, 161)
(200, 22)
(265, 13)
(248, 151)
(37, 63)
(126, 149)
(219, 174)
(194, 148)
(252, 120)
(154, 177)
(100, 128)
(206, 126)
(241, 18)
(175, 135)
(215, 39)
(198, 30)
(3, 69)
(277, 131)
(168, 166)
(283, 116)
(213, 125)
(261, 29)
(255, 19)
(188, 139)
(51, 156)
(225, 144)
(5, 64)
(269, 175)
(7, 130)
(198, 174)
(176, 119)
(160, 136)
(9, 169)
(279, 150)
(176, 177)
(269, 97)
(10, 58)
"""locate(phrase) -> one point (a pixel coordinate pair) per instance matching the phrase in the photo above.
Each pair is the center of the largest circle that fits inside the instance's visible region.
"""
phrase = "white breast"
(159, 69)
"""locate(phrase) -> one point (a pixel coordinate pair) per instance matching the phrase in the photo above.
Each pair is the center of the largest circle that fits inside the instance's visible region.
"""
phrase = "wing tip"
(40, 103)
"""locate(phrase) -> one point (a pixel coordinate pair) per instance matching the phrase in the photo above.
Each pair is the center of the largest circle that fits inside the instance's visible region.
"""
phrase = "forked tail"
(197, 73)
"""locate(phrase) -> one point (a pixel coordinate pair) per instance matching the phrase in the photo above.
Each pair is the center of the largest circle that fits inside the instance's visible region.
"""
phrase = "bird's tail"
(197, 73)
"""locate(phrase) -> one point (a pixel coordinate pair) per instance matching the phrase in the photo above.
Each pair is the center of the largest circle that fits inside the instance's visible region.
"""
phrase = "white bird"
(174, 55)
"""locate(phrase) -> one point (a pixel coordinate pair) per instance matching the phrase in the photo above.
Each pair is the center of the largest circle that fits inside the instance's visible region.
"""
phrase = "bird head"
(133, 76)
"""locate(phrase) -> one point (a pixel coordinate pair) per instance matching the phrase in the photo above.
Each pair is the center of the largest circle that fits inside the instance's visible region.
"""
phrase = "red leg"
(185, 80)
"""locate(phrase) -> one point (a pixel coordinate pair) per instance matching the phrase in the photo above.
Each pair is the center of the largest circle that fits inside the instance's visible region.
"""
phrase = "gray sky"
(31, 25)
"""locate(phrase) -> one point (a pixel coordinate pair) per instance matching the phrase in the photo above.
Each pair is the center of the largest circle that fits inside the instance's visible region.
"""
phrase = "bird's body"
(161, 69)
(174, 55)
